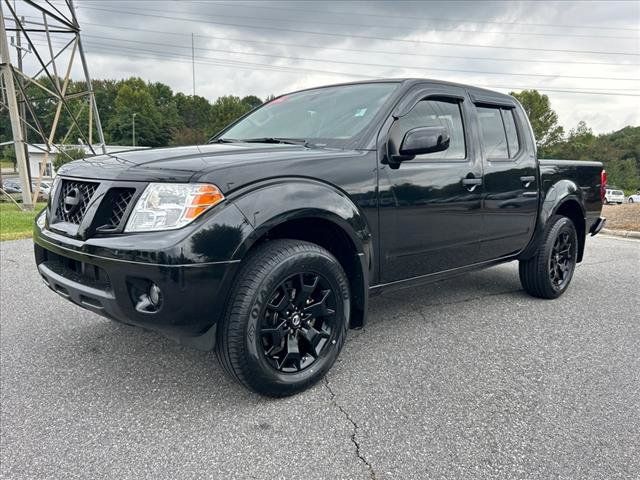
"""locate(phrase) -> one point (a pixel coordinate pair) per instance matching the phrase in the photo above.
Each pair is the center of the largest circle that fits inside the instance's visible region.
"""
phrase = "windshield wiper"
(287, 141)
(225, 140)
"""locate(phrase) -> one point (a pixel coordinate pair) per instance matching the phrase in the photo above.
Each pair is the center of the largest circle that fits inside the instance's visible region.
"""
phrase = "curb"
(621, 233)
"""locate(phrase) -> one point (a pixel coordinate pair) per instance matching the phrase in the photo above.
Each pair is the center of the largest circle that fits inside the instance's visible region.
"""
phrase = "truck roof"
(410, 81)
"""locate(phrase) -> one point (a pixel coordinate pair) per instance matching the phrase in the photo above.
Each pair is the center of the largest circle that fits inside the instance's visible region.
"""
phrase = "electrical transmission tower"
(45, 106)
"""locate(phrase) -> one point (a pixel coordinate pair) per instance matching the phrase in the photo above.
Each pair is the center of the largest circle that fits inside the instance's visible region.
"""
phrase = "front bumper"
(192, 296)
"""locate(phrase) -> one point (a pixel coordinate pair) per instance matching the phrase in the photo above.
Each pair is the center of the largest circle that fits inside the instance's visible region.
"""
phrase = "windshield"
(329, 115)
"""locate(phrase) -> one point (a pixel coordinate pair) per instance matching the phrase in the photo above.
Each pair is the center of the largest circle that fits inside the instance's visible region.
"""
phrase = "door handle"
(527, 181)
(471, 183)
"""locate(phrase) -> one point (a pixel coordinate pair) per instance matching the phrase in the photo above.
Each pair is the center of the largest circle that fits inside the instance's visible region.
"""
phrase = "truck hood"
(183, 164)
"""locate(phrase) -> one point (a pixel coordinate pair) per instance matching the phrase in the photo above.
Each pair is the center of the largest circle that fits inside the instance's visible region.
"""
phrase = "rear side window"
(512, 132)
(432, 113)
(499, 132)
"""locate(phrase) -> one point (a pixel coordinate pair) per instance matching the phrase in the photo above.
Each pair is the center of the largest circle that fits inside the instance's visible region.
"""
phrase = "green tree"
(623, 174)
(252, 101)
(544, 120)
(195, 113)
(134, 97)
(67, 155)
(225, 110)
(9, 154)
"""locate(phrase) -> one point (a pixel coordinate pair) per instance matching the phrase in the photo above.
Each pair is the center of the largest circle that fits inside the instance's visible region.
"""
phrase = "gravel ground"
(468, 378)
(622, 217)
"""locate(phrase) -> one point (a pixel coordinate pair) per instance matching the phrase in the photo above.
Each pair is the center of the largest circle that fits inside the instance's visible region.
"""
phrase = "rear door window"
(494, 137)
(512, 132)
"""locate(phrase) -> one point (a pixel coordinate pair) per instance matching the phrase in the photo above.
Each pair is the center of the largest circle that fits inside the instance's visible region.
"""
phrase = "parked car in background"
(634, 198)
(614, 196)
(45, 188)
(11, 186)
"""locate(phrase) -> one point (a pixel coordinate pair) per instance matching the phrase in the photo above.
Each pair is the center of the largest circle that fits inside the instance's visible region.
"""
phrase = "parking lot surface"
(468, 378)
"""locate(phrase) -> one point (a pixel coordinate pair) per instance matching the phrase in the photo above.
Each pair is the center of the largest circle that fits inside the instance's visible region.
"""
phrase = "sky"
(584, 55)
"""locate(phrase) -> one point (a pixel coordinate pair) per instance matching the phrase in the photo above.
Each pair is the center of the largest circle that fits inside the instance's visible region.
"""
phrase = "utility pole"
(85, 69)
(133, 129)
(19, 52)
(14, 115)
(193, 65)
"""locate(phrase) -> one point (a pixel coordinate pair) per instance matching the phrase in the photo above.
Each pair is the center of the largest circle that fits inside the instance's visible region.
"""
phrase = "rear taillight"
(603, 184)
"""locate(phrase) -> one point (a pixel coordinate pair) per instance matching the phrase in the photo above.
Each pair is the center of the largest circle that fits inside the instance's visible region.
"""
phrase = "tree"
(9, 153)
(225, 110)
(544, 120)
(67, 155)
(623, 174)
(134, 97)
(252, 101)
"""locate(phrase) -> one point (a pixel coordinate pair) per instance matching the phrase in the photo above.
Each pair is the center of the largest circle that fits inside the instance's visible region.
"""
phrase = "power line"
(438, 19)
(357, 50)
(366, 64)
(365, 37)
(379, 26)
(136, 52)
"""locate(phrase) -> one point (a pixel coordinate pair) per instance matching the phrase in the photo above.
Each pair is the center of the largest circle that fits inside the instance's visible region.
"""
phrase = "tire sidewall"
(263, 373)
(563, 224)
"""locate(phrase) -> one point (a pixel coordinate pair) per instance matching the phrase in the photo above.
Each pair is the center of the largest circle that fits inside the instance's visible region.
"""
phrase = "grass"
(6, 164)
(15, 223)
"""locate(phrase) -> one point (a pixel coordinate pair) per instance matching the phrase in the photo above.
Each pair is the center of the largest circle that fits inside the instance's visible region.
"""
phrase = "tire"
(549, 272)
(630, 200)
(282, 331)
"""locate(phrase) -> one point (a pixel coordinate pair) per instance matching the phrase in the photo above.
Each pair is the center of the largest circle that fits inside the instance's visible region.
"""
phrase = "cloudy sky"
(584, 55)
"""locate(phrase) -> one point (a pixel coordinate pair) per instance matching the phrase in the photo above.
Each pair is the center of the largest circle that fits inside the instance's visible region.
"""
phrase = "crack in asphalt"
(354, 433)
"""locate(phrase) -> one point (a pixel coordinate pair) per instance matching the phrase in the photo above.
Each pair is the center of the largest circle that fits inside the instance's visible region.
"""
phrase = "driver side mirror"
(423, 140)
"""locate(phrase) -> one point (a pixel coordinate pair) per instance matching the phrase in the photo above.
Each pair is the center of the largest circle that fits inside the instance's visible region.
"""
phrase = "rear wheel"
(286, 319)
(548, 273)
(631, 200)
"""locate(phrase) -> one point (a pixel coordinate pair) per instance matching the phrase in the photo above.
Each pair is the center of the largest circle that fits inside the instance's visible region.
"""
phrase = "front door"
(430, 206)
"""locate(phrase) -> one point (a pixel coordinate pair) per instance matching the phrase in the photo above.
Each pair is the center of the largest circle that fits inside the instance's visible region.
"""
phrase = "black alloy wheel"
(562, 260)
(547, 274)
(287, 317)
(298, 321)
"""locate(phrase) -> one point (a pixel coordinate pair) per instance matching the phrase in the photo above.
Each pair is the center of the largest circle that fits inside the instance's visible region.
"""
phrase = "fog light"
(154, 294)
(151, 301)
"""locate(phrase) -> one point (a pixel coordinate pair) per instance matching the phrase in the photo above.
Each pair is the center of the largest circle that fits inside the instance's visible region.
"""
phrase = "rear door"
(510, 199)
(430, 215)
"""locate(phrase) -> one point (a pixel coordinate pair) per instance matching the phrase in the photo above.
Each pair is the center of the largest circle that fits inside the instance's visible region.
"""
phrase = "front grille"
(113, 209)
(73, 200)
(121, 199)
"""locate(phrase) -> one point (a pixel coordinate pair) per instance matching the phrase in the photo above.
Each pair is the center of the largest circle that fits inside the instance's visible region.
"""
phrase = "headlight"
(40, 221)
(54, 187)
(167, 206)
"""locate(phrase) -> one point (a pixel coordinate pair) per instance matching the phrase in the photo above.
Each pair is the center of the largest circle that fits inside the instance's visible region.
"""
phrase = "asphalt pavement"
(468, 378)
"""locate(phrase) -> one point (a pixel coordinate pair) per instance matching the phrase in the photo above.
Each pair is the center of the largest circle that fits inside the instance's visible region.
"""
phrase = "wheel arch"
(563, 198)
(572, 209)
(312, 211)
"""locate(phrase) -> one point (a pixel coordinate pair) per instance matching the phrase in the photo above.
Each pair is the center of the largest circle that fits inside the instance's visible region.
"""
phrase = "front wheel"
(548, 273)
(630, 200)
(286, 318)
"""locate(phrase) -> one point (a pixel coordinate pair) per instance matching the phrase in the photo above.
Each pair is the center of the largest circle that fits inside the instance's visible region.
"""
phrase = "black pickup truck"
(266, 243)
